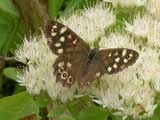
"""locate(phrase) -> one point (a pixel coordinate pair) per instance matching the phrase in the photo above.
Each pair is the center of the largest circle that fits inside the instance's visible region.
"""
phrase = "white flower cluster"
(91, 23)
(127, 3)
(131, 92)
(146, 27)
(153, 7)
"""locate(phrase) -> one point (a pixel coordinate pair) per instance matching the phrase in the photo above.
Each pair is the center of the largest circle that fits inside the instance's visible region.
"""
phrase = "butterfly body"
(76, 62)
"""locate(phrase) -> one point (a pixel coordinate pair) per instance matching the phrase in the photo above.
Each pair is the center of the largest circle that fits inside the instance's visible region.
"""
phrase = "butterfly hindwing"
(67, 68)
(116, 59)
(62, 39)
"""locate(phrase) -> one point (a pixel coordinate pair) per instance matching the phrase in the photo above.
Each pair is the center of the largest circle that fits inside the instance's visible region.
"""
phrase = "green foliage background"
(15, 102)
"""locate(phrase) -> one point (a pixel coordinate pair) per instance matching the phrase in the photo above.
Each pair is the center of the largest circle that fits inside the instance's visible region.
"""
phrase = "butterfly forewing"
(62, 39)
(116, 59)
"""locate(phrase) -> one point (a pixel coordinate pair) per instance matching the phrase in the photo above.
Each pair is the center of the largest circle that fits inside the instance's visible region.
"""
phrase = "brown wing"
(62, 39)
(72, 51)
(116, 59)
(108, 61)
(67, 68)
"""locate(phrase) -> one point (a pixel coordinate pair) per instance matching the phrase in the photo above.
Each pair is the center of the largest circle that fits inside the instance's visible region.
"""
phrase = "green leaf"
(10, 32)
(156, 115)
(42, 100)
(66, 117)
(8, 7)
(19, 89)
(54, 6)
(112, 117)
(10, 72)
(56, 112)
(17, 106)
(77, 105)
(93, 113)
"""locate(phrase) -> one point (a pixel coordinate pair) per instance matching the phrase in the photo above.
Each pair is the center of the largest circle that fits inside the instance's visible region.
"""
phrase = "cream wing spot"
(61, 64)
(62, 39)
(75, 41)
(131, 55)
(69, 64)
(54, 26)
(69, 36)
(60, 51)
(117, 59)
(115, 66)
(98, 74)
(53, 34)
(57, 44)
(63, 30)
(109, 69)
(125, 60)
(124, 52)
(116, 54)
(110, 54)
(49, 40)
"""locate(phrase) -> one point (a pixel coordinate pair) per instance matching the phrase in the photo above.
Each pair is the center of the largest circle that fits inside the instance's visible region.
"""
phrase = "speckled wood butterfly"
(77, 62)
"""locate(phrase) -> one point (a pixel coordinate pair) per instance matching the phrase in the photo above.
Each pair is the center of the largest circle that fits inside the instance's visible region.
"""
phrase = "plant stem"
(34, 14)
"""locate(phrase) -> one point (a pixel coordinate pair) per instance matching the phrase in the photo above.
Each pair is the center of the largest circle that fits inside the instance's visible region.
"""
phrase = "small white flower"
(127, 3)
(153, 7)
(140, 26)
(146, 27)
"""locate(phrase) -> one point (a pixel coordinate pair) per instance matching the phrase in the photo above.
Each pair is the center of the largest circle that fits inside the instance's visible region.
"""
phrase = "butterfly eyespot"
(70, 80)
(60, 70)
(64, 75)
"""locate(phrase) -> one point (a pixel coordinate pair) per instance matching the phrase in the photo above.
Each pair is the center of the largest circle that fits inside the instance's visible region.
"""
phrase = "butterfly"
(77, 62)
